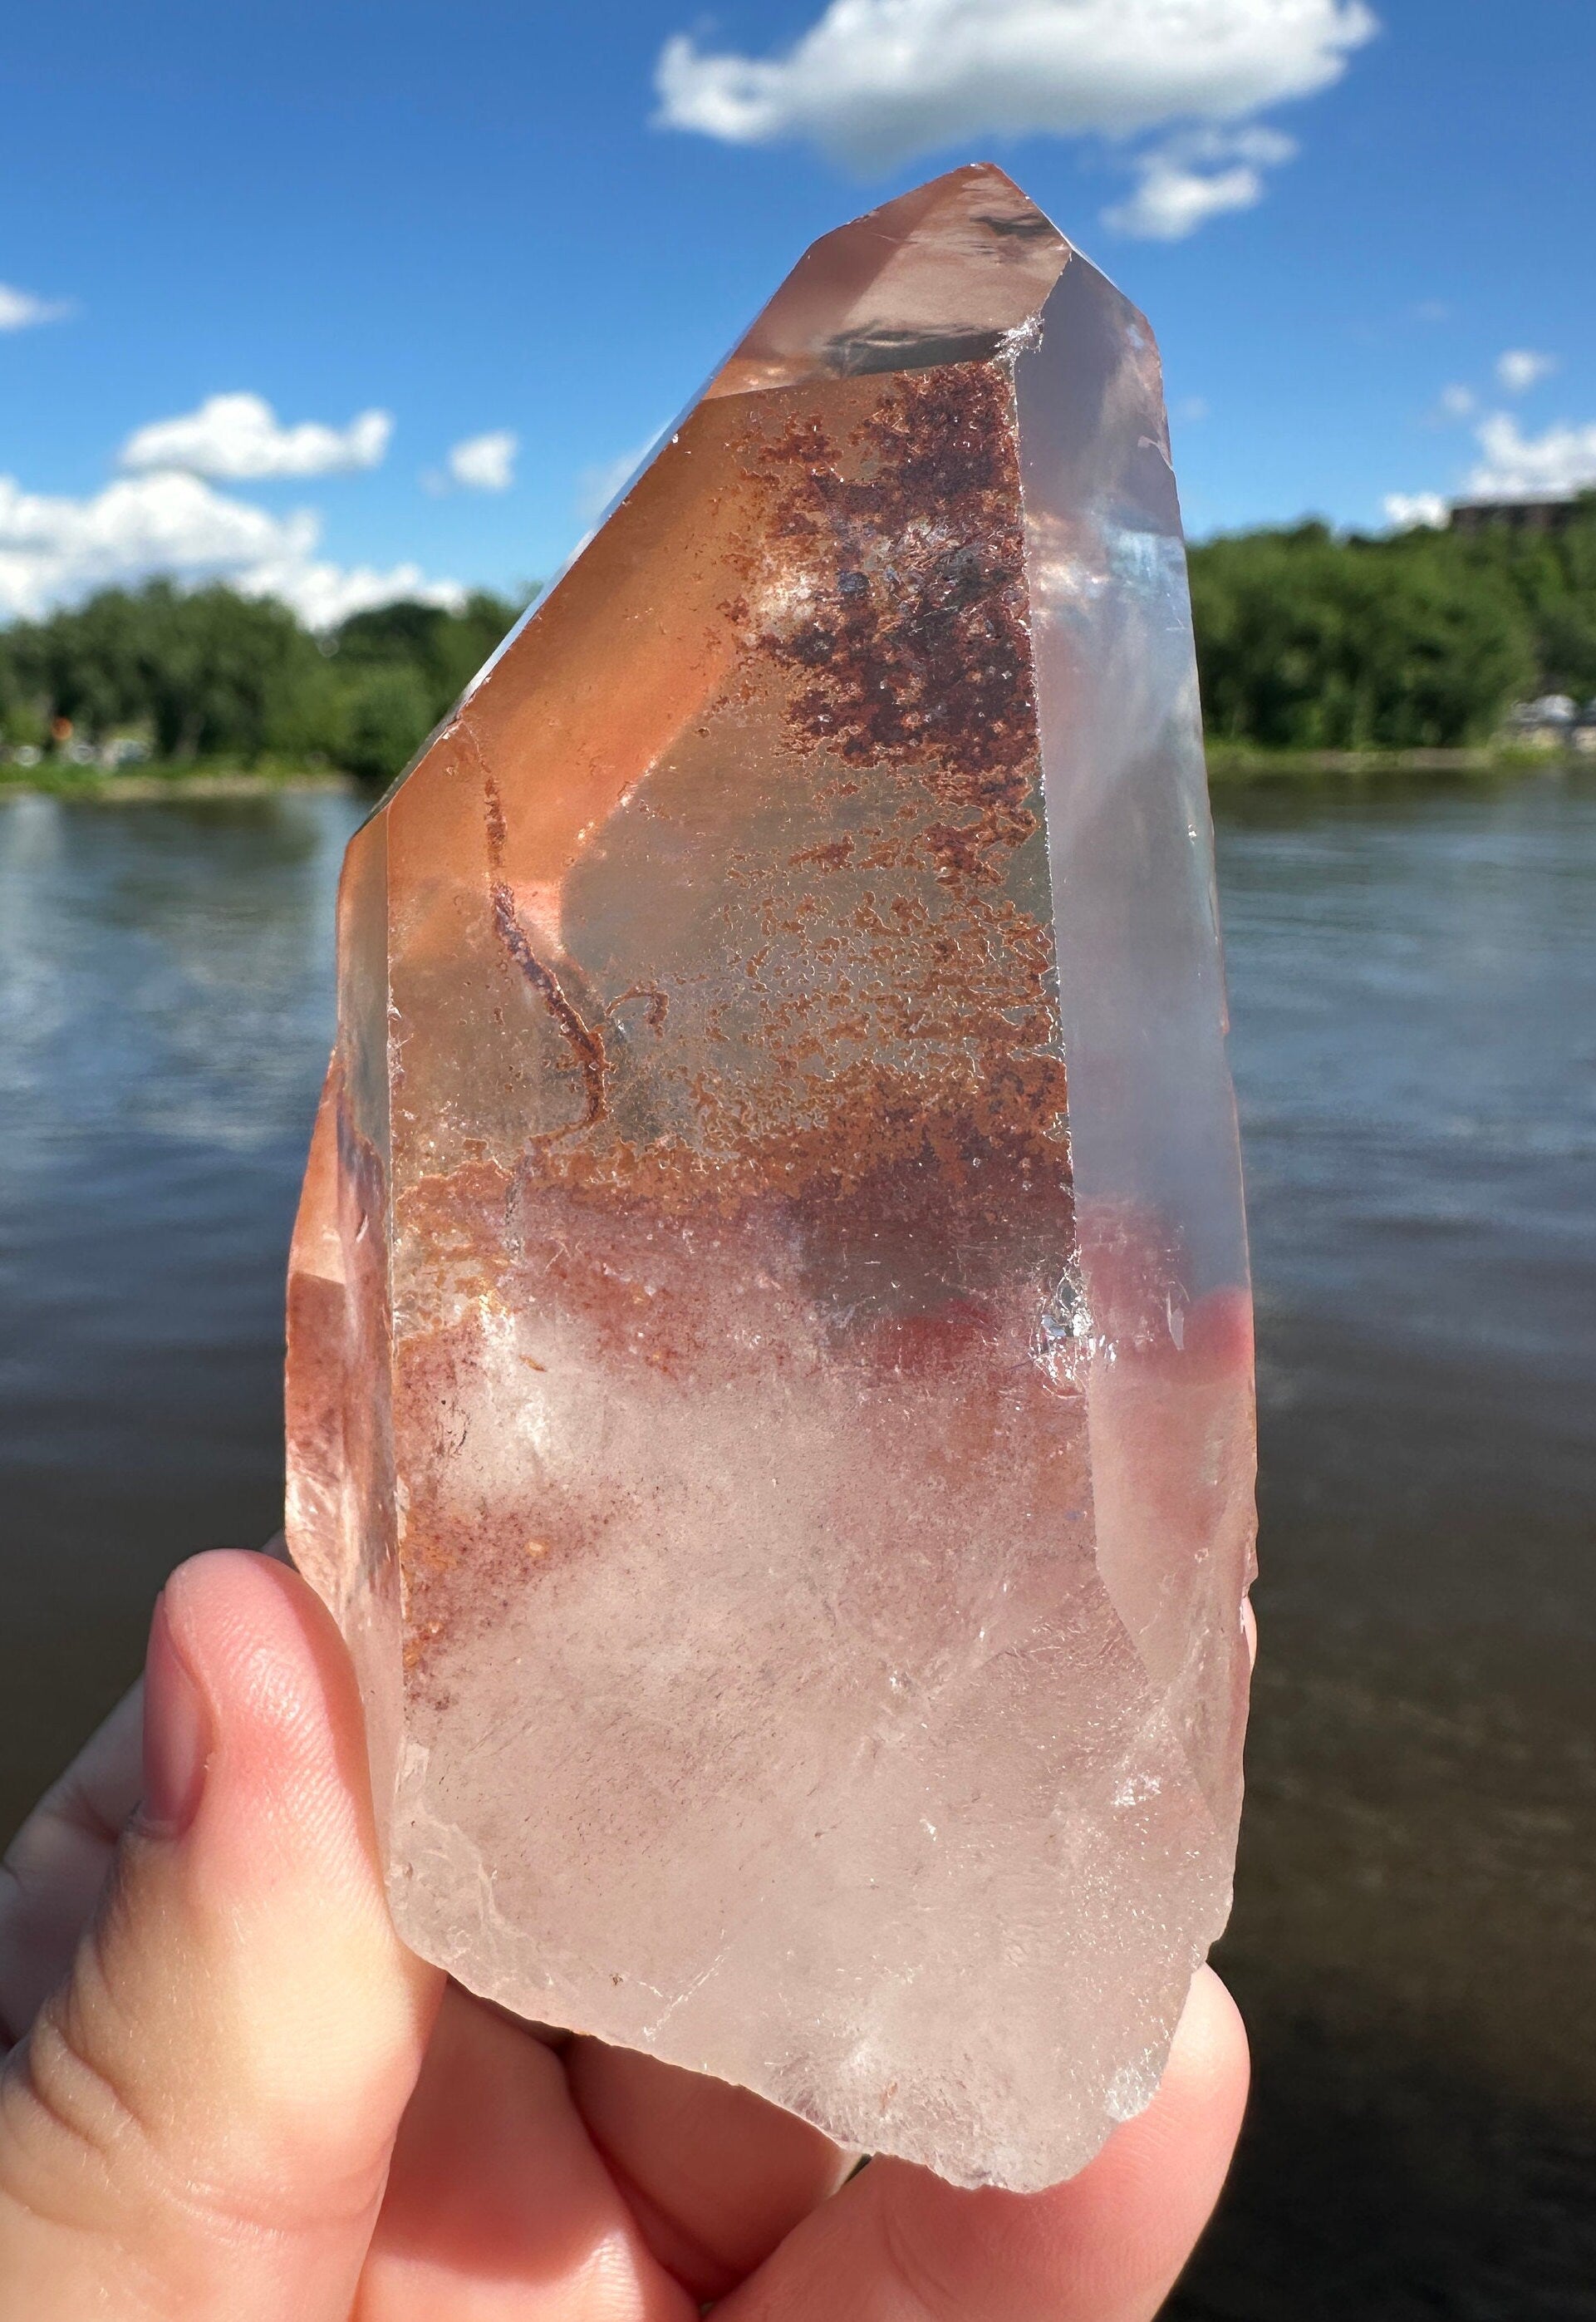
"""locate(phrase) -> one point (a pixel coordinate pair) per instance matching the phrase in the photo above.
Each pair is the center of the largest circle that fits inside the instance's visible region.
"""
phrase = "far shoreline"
(1231, 766)
(160, 786)
(1237, 765)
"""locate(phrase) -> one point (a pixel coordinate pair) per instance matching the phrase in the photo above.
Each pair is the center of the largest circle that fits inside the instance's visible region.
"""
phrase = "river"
(1413, 983)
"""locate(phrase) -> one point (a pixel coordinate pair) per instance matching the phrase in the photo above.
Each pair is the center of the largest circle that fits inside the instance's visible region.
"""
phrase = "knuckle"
(90, 2143)
(86, 2190)
(72, 2115)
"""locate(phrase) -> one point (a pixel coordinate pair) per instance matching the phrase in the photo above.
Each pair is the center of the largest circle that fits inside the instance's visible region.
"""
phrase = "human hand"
(234, 2095)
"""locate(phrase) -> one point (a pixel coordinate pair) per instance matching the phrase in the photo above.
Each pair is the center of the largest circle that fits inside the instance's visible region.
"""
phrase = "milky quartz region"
(769, 1388)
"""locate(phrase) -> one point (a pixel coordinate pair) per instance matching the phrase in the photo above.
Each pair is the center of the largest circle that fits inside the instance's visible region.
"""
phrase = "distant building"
(1556, 722)
(1547, 515)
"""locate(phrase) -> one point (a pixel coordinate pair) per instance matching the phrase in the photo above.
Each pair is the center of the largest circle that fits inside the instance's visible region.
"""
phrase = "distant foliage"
(445, 650)
(1423, 639)
(400, 668)
(387, 717)
(206, 673)
(1305, 641)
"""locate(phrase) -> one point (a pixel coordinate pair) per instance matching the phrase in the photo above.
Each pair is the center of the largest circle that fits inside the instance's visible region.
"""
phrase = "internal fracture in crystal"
(770, 1390)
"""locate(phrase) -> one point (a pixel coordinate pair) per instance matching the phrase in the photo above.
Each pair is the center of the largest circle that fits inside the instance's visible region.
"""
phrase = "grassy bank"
(203, 781)
(1233, 766)
(1230, 767)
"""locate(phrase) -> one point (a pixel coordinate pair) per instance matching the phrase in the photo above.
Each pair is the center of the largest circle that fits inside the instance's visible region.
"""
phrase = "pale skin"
(232, 2095)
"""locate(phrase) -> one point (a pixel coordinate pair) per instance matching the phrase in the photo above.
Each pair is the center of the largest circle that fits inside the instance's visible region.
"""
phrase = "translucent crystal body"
(769, 1393)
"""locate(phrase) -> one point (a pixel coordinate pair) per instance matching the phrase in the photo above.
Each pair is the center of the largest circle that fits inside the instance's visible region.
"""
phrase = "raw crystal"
(770, 1385)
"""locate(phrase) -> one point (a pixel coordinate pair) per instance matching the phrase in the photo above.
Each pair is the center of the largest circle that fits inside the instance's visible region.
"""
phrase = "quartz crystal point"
(769, 1392)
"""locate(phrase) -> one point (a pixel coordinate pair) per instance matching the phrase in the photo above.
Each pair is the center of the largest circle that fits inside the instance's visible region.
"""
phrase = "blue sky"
(434, 223)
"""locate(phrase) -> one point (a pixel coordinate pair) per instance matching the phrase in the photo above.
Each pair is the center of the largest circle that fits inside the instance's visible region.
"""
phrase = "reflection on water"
(1414, 987)
(164, 973)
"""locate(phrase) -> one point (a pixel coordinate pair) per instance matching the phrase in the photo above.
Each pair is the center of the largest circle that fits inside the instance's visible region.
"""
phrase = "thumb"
(199, 2121)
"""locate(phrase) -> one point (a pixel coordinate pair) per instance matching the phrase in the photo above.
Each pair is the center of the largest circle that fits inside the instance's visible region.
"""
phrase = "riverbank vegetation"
(1322, 653)
(206, 678)
(1414, 641)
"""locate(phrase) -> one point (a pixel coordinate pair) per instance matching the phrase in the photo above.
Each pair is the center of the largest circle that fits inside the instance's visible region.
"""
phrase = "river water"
(1413, 980)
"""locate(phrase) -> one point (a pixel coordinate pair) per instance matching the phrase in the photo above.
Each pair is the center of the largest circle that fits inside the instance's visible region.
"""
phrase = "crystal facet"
(770, 1391)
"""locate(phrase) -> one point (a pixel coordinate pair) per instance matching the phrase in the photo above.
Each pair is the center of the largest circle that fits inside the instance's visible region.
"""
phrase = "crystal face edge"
(1153, 1135)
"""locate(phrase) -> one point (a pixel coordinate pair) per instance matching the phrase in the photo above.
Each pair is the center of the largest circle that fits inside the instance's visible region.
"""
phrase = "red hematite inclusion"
(769, 1388)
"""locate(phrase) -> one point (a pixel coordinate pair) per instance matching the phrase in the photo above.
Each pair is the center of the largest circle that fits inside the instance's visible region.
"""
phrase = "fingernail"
(177, 1735)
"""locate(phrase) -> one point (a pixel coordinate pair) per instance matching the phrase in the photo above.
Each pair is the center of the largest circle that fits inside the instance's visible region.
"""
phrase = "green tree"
(387, 717)
(1552, 577)
(228, 673)
(1305, 641)
(444, 649)
(207, 671)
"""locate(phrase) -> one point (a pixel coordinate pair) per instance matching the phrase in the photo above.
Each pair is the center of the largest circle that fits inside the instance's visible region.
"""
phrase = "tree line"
(205, 674)
(1419, 639)
(1306, 640)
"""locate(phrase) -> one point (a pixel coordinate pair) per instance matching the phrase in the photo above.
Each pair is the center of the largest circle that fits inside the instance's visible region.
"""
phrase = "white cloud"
(875, 82)
(1457, 402)
(1173, 201)
(322, 594)
(1519, 467)
(21, 310)
(1520, 369)
(598, 486)
(240, 435)
(1194, 178)
(1411, 511)
(486, 463)
(53, 549)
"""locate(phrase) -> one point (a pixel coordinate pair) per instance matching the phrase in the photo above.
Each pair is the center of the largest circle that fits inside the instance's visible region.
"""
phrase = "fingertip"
(281, 1876)
(1105, 2244)
(1174, 2154)
(1133, 2217)
(236, 1612)
(1210, 2061)
(283, 1812)
(277, 1681)
(177, 1734)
